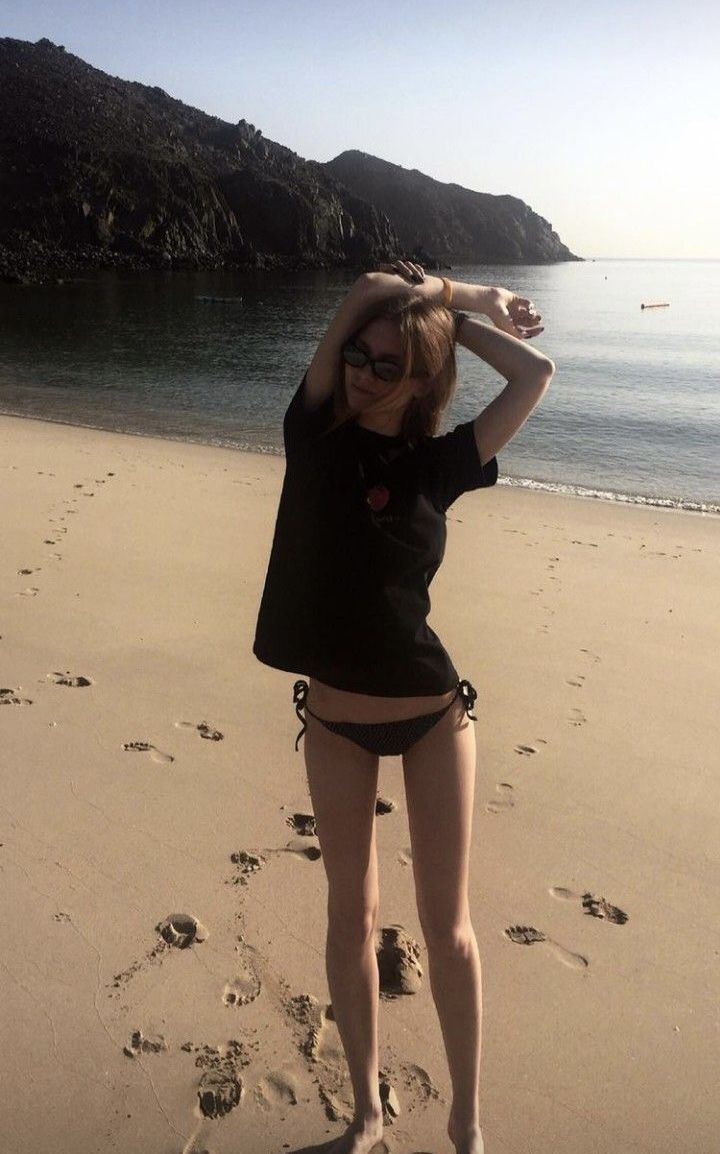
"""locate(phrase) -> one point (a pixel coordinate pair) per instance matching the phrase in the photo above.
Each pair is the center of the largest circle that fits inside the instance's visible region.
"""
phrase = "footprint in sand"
(27, 572)
(505, 801)
(276, 1090)
(526, 750)
(576, 682)
(145, 747)
(594, 906)
(528, 935)
(303, 824)
(242, 990)
(139, 1044)
(202, 728)
(10, 697)
(384, 805)
(67, 678)
(418, 1083)
(247, 863)
(322, 1042)
(319, 1041)
(405, 856)
(31, 592)
(577, 717)
(181, 931)
(178, 931)
(311, 852)
(221, 1086)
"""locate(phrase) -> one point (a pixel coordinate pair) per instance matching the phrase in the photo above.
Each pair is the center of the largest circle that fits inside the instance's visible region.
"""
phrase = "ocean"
(633, 413)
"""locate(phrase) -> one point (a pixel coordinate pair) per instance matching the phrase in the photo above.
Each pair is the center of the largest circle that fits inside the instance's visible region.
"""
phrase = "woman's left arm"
(527, 371)
(502, 345)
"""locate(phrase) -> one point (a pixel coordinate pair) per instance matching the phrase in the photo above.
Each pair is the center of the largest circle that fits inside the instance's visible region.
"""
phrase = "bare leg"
(440, 784)
(343, 786)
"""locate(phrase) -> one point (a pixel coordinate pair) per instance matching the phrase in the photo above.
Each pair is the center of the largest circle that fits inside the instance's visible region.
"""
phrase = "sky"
(602, 117)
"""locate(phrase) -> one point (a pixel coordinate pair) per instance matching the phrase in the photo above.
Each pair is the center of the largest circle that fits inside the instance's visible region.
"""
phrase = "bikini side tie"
(300, 692)
(469, 696)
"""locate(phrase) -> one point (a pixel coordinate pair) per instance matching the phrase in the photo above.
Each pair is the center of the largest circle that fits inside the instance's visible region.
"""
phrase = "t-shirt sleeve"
(301, 423)
(454, 466)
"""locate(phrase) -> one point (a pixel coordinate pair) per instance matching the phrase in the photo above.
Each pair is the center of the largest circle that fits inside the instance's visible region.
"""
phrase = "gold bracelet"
(447, 292)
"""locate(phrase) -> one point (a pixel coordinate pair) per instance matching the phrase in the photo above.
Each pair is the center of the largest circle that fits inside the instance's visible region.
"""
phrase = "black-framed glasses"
(387, 371)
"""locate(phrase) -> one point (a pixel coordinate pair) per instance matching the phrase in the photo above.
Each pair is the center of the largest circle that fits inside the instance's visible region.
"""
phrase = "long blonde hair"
(427, 335)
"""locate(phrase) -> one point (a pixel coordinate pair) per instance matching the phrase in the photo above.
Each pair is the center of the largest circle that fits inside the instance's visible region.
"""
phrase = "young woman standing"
(360, 534)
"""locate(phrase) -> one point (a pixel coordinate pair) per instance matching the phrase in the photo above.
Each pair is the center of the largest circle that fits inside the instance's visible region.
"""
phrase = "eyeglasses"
(386, 371)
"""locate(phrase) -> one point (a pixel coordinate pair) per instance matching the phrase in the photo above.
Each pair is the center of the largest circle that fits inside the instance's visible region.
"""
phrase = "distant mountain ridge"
(453, 223)
(100, 172)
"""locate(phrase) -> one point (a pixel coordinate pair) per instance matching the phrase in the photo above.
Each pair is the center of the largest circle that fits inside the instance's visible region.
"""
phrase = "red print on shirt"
(377, 498)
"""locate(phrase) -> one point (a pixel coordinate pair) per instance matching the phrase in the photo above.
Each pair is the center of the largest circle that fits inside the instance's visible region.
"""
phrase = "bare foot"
(361, 1138)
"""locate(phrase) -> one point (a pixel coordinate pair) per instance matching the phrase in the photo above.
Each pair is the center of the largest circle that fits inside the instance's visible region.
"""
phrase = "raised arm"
(402, 278)
(527, 371)
(367, 290)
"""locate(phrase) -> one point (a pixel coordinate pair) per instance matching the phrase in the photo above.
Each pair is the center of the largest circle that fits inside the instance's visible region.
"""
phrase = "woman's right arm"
(322, 373)
(401, 279)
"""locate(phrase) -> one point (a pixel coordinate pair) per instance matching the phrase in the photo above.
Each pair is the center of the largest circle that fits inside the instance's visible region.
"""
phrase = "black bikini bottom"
(387, 738)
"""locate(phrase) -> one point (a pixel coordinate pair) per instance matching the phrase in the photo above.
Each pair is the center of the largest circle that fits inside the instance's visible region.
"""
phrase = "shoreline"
(528, 484)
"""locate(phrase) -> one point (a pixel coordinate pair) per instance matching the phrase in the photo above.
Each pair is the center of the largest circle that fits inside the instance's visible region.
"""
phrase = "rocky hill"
(456, 225)
(99, 172)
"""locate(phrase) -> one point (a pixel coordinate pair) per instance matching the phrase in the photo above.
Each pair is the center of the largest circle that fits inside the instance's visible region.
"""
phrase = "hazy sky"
(603, 118)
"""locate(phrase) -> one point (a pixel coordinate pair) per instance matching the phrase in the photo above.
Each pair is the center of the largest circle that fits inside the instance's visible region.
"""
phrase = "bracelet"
(447, 292)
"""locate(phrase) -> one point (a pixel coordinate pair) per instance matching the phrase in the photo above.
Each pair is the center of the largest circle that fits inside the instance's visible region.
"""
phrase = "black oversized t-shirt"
(360, 534)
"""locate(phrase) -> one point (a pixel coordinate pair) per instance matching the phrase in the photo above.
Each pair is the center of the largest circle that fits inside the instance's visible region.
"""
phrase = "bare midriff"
(339, 705)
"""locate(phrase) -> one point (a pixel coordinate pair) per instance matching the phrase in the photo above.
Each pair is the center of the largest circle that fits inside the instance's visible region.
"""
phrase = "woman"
(360, 534)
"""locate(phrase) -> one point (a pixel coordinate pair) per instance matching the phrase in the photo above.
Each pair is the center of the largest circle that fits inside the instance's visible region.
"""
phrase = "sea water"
(633, 413)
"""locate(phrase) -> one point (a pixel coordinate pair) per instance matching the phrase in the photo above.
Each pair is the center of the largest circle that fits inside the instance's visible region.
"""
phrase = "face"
(380, 340)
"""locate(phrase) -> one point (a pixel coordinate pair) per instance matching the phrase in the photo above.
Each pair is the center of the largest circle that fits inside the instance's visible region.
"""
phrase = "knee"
(351, 927)
(451, 938)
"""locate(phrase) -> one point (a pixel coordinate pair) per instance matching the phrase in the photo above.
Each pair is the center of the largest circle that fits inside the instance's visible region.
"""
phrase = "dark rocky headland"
(98, 172)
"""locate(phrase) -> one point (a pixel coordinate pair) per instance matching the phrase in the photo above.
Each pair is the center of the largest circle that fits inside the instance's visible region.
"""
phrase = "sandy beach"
(148, 772)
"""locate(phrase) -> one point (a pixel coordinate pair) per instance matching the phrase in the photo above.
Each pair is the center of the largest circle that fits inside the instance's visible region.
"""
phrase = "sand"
(147, 772)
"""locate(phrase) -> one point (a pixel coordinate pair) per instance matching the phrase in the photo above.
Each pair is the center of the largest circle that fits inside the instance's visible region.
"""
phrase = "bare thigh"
(343, 787)
(439, 772)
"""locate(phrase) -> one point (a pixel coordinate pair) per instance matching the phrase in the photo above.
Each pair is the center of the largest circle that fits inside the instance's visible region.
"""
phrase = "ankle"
(369, 1117)
(467, 1139)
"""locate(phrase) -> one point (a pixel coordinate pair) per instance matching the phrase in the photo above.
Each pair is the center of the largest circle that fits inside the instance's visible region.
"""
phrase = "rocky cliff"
(99, 172)
(452, 223)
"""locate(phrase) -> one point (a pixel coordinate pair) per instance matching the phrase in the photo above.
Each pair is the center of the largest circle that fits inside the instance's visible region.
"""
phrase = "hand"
(511, 313)
(412, 273)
